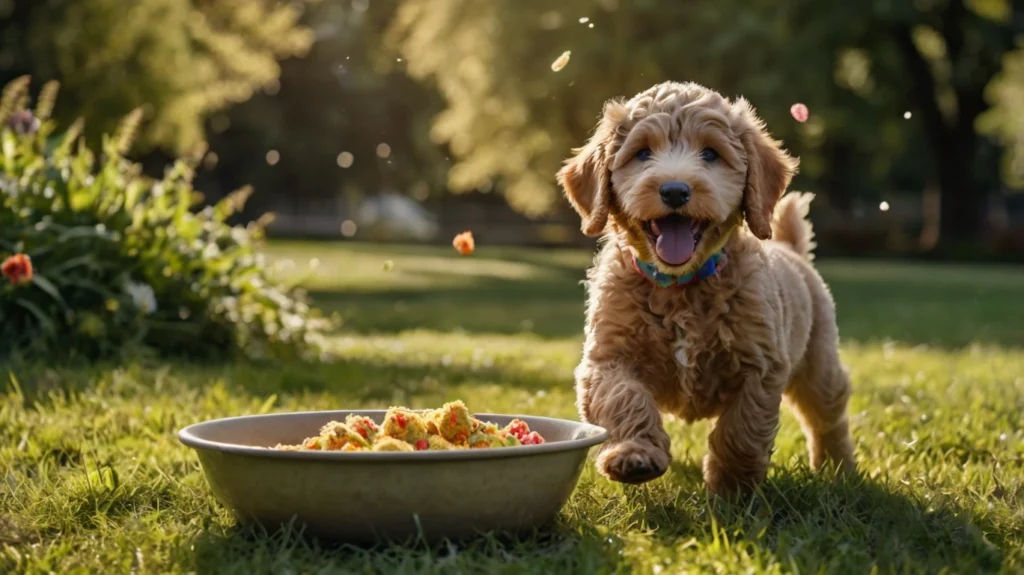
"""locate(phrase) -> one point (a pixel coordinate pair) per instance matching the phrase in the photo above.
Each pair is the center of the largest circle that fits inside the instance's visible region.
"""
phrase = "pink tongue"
(675, 244)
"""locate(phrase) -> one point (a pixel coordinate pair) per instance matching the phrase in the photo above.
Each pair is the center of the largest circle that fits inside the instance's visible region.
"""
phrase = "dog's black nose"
(675, 194)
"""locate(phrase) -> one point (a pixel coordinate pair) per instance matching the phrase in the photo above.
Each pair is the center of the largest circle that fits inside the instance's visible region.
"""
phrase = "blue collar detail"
(715, 263)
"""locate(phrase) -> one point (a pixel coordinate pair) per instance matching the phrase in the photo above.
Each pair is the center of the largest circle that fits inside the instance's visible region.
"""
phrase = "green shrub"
(124, 263)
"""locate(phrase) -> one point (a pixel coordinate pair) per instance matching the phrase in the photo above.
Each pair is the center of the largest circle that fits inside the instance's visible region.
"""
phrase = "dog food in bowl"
(369, 496)
(446, 428)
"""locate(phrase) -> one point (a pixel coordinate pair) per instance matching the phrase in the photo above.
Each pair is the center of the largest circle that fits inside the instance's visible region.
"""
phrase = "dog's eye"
(644, 154)
(708, 155)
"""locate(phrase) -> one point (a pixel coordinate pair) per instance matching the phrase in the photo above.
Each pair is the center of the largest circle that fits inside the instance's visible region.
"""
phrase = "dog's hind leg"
(819, 393)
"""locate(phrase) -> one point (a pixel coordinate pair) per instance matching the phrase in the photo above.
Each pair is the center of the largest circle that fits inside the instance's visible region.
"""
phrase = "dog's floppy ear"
(769, 171)
(586, 177)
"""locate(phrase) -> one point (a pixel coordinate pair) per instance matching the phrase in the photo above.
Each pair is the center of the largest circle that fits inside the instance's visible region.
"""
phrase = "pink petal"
(799, 112)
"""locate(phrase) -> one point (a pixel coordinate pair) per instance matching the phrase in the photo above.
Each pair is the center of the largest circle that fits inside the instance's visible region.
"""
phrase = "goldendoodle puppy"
(690, 311)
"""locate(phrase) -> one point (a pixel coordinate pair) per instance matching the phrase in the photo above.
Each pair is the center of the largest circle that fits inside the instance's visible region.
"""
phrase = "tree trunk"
(953, 142)
(962, 202)
(930, 204)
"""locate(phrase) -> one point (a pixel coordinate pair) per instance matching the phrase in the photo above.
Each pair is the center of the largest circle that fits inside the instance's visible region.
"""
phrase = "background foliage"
(121, 260)
(863, 68)
(182, 60)
(913, 102)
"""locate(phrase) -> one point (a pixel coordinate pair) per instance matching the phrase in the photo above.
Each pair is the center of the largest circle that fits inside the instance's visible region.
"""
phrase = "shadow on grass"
(815, 524)
(385, 379)
(947, 307)
(803, 521)
(943, 306)
(556, 549)
(362, 380)
(550, 306)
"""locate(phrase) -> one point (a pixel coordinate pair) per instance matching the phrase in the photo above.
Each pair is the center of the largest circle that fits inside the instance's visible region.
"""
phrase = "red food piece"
(400, 420)
(799, 112)
(362, 431)
(464, 243)
(422, 445)
(533, 438)
(519, 429)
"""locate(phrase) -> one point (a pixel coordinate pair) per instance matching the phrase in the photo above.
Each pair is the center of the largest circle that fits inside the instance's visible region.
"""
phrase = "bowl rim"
(592, 435)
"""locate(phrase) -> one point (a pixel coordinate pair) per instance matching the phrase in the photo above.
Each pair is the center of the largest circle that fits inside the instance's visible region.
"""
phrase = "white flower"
(142, 296)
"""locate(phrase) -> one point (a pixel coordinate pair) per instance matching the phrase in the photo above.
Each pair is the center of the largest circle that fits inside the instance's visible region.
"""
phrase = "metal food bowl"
(367, 497)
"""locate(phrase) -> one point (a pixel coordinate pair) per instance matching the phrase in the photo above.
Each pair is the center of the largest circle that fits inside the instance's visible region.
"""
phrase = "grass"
(94, 479)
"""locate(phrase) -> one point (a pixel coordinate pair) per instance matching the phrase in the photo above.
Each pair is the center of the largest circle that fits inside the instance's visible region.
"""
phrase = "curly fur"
(733, 347)
(791, 226)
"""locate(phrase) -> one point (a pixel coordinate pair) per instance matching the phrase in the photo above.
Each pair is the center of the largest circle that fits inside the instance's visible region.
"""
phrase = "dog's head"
(676, 169)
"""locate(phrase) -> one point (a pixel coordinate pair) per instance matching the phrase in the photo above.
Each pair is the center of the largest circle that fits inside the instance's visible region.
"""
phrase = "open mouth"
(675, 237)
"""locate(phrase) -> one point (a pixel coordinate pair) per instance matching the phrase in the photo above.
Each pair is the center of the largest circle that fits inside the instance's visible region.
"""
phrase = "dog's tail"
(791, 226)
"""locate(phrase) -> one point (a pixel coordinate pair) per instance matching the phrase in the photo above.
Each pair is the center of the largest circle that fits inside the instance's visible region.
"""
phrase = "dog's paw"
(632, 462)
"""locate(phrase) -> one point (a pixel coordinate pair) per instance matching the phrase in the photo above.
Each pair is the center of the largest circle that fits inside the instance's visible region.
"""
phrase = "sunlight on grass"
(407, 267)
(95, 479)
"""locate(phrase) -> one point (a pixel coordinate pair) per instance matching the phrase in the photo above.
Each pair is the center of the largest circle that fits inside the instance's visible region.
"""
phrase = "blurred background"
(413, 120)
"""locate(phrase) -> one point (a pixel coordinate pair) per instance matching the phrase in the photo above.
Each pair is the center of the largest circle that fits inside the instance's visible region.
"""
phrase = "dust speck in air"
(561, 61)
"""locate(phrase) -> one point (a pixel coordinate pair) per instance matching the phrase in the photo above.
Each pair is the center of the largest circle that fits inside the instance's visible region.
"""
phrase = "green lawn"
(94, 479)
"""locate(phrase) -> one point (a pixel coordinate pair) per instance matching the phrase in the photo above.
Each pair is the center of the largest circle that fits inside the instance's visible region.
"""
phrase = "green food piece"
(492, 440)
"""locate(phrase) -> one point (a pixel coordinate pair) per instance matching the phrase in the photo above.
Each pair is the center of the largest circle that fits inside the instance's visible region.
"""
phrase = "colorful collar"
(715, 263)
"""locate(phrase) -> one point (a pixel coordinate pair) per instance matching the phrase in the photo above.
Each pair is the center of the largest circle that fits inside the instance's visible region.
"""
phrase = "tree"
(346, 96)
(859, 65)
(181, 60)
(935, 57)
(510, 119)
(950, 55)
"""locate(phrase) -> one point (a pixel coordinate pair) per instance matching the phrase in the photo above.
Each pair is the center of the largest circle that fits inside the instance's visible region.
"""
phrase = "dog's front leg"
(638, 447)
(740, 445)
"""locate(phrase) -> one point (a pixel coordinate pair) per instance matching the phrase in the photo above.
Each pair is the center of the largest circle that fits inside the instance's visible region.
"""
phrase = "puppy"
(702, 301)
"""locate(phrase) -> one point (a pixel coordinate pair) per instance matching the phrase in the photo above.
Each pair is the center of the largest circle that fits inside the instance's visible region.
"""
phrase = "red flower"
(17, 268)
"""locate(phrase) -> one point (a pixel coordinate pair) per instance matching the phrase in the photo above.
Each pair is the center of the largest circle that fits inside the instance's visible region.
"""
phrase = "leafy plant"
(121, 261)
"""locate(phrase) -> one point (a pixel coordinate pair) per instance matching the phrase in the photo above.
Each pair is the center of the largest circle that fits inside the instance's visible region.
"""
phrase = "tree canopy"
(896, 87)
(179, 59)
(357, 97)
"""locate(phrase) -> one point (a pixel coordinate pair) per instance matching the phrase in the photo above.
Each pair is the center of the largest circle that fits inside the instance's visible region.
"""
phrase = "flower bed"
(101, 259)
